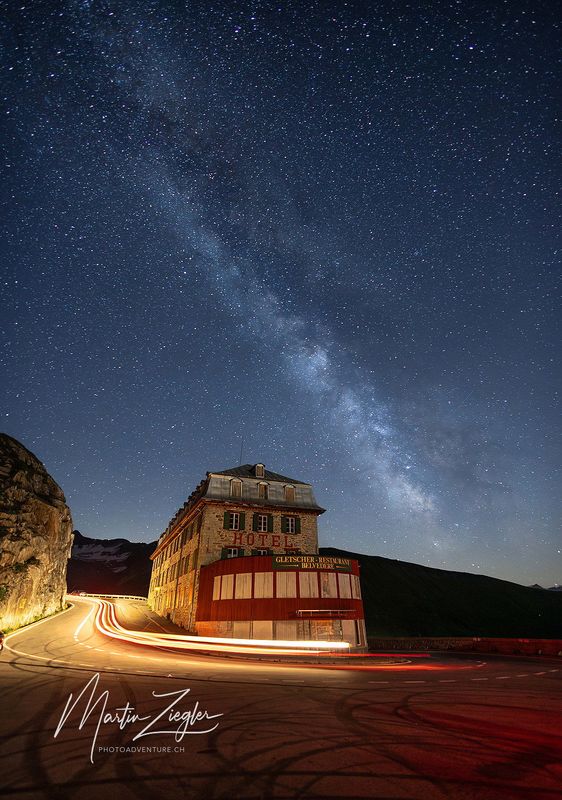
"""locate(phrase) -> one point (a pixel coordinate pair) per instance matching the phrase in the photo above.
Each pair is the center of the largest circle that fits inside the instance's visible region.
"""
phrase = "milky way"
(326, 229)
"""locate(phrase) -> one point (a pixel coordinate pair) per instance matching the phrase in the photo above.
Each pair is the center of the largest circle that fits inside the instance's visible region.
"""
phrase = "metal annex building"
(240, 559)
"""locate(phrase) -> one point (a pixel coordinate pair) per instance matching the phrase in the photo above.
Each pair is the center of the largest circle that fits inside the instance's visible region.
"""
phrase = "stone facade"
(216, 536)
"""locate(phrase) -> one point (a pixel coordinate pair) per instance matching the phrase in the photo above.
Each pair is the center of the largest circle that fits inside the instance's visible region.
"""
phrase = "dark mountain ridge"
(404, 599)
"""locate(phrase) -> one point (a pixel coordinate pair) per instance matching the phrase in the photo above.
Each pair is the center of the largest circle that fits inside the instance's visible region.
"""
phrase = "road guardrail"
(119, 596)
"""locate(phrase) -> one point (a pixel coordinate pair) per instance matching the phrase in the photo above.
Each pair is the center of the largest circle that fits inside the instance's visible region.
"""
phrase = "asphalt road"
(437, 727)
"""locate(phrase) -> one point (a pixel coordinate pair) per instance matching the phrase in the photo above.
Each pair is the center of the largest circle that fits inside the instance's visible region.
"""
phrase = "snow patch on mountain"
(99, 552)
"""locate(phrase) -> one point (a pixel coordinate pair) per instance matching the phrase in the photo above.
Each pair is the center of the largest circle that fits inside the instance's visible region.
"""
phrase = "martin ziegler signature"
(126, 715)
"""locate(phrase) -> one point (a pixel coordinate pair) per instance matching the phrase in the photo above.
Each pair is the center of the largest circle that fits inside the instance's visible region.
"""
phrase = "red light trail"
(106, 623)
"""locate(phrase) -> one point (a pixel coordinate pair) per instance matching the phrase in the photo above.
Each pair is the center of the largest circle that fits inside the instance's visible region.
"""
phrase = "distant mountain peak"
(109, 565)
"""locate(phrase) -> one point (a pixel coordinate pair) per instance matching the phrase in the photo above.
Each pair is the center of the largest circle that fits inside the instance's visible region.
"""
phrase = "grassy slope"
(403, 599)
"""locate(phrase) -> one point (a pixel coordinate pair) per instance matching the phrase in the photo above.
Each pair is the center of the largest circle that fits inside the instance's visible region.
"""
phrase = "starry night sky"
(327, 227)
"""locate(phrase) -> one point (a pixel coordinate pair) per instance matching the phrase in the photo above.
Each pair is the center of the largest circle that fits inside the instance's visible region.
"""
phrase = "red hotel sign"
(263, 539)
(311, 562)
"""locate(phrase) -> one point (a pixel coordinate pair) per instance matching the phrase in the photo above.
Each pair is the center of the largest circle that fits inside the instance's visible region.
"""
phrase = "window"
(227, 587)
(263, 584)
(261, 552)
(262, 523)
(290, 494)
(241, 629)
(286, 584)
(232, 552)
(328, 584)
(286, 629)
(262, 629)
(344, 584)
(355, 587)
(349, 631)
(234, 520)
(217, 587)
(260, 471)
(236, 488)
(308, 584)
(243, 585)
(263, 491)
(290, 525)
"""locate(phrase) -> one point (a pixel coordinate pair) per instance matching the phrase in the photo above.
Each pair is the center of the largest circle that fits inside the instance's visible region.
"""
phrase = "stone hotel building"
(240, 559)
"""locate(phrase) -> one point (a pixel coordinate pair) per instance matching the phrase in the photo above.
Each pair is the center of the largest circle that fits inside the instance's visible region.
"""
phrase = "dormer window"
(263, 491)
(290, 494)
(236, 488)
(260, 471)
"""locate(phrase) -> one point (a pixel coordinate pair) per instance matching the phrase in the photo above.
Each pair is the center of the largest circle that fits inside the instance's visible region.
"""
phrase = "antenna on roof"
(241, 450)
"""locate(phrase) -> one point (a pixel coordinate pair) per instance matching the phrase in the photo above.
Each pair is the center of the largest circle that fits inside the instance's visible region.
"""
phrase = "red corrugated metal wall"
(267, 608)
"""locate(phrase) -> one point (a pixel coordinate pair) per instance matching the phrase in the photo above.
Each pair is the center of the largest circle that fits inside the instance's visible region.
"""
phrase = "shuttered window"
(290, 525)
(262, 523)
(234, 521)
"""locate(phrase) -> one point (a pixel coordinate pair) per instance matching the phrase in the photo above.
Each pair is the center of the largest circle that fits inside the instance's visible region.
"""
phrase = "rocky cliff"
(35, 537)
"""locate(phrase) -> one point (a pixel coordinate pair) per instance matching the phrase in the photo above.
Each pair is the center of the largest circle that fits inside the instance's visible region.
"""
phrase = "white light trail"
(106, 623)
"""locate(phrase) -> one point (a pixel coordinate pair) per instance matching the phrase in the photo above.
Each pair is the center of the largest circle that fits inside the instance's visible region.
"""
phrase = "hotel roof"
(249, 471)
